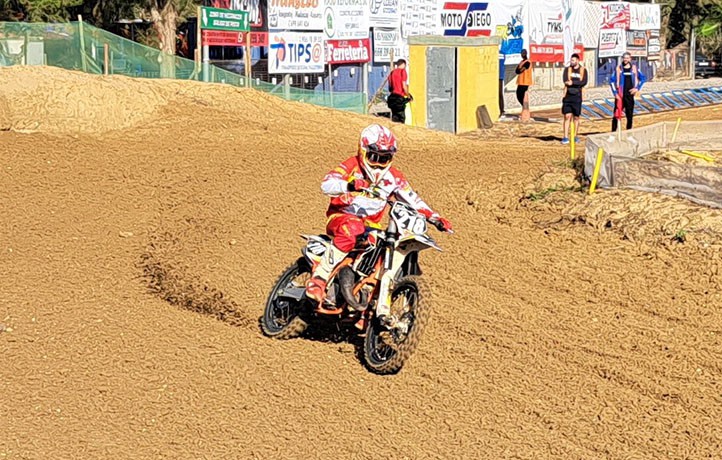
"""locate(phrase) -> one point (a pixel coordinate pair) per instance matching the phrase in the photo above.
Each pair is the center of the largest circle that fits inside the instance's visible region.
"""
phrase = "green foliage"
(45, 10)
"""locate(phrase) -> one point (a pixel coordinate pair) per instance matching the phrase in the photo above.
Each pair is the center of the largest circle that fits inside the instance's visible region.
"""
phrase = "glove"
(358, 184)
(443, 224)
(427, 213)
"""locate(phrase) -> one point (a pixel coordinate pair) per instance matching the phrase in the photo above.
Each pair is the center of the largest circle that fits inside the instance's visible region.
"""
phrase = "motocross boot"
(316, 286)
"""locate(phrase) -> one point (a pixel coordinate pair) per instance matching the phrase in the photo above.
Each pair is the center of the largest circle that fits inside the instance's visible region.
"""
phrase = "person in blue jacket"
(626, 81)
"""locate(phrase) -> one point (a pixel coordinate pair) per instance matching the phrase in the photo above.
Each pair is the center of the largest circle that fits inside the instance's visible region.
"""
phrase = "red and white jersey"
(393, 182)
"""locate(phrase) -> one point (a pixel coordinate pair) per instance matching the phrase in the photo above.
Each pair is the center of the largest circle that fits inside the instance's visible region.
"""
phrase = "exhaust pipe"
(346, 281)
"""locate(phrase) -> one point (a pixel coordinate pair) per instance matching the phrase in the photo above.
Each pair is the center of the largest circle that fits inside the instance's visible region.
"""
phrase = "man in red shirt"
(399, 89)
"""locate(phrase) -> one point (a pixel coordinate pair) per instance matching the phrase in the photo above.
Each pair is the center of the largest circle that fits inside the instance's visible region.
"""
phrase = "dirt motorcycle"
(377, 288)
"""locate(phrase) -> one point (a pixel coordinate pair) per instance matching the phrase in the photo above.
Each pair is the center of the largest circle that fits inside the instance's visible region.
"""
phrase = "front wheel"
(282, 316)
(386, 351)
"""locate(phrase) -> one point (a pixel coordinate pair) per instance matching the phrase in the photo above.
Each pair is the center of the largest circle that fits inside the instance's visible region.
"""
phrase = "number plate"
(408, 219)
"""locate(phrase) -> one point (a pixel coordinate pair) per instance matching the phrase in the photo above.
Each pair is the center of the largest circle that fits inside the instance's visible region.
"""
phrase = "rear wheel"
(282, 317)
(386, 350)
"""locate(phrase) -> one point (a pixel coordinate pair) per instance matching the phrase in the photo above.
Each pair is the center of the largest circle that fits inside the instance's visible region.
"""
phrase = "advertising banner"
(644, 16)
(555, 30)
(615, 15)
(386, 40)
(348, 51)
(637, 43)
(511, 27)
(612, 43)
(654, 45)
(346, 19)
(257, 10)
(467, 19)
(228, 20)
(292, 52)
(420, 17)
(497, 18)
(592, 23)
(295, 14)
(385, 13)
(222, 38)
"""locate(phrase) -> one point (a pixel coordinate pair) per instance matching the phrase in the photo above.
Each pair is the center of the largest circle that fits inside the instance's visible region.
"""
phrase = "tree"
(686, 15)
(37, 10)
(165, 15)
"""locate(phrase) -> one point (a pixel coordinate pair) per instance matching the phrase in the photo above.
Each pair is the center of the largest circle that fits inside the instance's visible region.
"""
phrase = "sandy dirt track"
(139, 240)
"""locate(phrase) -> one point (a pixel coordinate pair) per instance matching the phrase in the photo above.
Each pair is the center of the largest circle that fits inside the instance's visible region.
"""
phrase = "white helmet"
(377, 147)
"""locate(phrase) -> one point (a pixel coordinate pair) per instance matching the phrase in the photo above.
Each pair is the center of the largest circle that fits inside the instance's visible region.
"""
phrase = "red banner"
(223, 38)
(348, 51)
(615, 15)
(552, 52)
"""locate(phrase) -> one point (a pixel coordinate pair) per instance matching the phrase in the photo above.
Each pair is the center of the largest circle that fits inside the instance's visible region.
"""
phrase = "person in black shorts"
(575, 78)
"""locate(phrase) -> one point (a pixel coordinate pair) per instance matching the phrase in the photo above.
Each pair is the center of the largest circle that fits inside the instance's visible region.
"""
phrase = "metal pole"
(365, 85)
(595, 174)
(692, 52)
(82, 44)
(248, 58)
(206, 63)
(330, 82)
(287, 86)
(199, 41)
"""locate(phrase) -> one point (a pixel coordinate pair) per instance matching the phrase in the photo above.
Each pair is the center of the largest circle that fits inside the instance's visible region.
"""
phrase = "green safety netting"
(60, 45)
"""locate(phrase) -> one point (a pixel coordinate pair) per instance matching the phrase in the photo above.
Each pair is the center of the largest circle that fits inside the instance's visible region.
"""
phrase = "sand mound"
(559, 197)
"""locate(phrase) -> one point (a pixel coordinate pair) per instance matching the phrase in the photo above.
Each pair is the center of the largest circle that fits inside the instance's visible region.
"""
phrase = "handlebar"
(439, 226)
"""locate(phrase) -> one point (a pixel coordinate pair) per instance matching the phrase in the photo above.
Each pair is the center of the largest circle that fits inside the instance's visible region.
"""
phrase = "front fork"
(393, 261)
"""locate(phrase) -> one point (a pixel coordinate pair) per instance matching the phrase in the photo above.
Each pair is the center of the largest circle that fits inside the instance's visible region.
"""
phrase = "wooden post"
(83, 57)
(199, 40)
(597, 167)
(106, 59)
(26, 40)
(676, 128)
(248, 58)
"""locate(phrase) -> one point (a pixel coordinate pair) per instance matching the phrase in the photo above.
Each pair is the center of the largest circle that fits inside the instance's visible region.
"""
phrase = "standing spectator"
(399, 89)
(626, 81)
(523, 82)
(575, 78)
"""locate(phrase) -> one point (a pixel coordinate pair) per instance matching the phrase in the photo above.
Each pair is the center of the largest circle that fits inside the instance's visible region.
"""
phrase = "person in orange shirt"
(523, 82)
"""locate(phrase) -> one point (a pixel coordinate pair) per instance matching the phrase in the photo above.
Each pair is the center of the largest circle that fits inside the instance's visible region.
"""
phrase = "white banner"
(386, 40)
(593, 17)
(295, 14)
(555, 30)
(644, 17)
(385, 13)
(420, 17)
(346, 19)
(612, 42)
(292, 52)
(573, 25)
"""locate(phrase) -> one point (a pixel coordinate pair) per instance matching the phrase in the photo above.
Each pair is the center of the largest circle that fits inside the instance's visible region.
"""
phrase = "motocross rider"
(352, 210)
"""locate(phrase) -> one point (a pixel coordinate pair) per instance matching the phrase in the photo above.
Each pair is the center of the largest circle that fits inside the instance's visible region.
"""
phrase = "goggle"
(376, 158)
